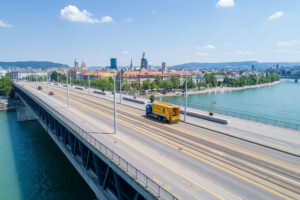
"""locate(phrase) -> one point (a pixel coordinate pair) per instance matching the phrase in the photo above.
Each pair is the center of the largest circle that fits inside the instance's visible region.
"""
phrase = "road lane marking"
(188, 153)
(158, 161)
(237, 175)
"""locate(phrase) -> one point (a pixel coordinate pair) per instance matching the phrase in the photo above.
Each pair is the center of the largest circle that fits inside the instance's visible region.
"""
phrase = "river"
(33, 167)
(281, 101)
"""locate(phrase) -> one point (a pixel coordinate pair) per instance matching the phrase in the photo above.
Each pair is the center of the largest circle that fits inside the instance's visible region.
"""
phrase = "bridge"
(296, 78)
(148, 159)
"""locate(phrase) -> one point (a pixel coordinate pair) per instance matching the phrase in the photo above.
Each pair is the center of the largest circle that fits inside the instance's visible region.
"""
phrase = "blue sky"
(175, 31)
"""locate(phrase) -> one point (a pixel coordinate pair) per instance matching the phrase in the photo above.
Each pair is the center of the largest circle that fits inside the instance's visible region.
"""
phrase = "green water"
(281, 101)
(33, 167)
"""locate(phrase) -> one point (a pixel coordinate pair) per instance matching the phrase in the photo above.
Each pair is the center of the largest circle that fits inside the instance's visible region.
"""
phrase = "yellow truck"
(163, 111)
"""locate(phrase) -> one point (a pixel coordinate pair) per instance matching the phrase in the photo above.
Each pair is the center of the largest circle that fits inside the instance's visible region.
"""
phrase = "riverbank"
(212, 90)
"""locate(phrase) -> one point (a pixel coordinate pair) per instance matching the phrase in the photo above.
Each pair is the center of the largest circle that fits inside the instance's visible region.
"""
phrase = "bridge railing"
(154, 188)
(252, 117)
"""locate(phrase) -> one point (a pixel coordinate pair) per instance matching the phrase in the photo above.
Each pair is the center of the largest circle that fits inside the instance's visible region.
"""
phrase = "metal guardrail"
(252, 117)
(128, 168)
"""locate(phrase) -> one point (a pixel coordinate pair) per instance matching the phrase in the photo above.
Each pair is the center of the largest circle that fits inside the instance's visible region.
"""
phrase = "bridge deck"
(179, 157)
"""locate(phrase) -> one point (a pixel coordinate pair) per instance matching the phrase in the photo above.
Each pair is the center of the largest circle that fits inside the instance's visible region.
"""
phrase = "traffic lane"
(249, 195)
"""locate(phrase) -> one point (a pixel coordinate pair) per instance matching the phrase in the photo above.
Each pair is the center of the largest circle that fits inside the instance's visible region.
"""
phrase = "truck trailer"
(163, 111)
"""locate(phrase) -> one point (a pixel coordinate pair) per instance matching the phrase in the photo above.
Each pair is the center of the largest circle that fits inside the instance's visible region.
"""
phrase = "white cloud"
(128, 19)
(209, 46)
(153, 11)
(287, 44)
(125, 52)
(225, 3)
(5, 25)
(275, 15)
(73, 14)
(202, 54)
(244, 52)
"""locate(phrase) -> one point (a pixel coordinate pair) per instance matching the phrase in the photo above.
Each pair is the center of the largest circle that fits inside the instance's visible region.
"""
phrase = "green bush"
(152, 98)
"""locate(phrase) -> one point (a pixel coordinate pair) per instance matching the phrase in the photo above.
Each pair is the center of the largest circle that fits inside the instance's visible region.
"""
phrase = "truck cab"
(149, 109)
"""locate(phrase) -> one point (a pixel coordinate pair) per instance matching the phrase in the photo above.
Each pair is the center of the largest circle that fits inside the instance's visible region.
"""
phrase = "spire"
(143, 54)
(131, 65)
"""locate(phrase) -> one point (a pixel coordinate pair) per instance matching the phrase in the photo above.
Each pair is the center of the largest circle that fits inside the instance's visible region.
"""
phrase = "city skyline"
(211, 31)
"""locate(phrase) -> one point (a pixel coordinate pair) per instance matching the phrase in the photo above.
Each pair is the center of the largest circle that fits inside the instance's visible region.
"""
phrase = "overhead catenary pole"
(36, 81)
(185, 105)
(48, 81)
(120, 86)
(89, 81)
(115, 114)
(68, 102)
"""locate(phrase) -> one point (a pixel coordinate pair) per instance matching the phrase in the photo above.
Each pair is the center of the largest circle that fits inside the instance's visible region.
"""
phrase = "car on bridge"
(51, 93)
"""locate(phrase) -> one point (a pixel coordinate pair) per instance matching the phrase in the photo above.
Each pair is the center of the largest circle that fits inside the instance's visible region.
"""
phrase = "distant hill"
(234, 65)
(32, 64)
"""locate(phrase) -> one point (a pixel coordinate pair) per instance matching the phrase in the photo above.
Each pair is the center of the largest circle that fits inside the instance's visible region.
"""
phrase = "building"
(113, 63)
(94, 75)
(83, 65)
(23, 74)
(144, 74)
(74, 73)
(164, 66)
(2, 72)
(76, 63)
(144, 62)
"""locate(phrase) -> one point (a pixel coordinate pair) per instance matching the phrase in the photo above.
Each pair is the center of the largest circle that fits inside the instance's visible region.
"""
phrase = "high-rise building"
(164, 66)
(144, 62)
(75, 63)
(113, 63)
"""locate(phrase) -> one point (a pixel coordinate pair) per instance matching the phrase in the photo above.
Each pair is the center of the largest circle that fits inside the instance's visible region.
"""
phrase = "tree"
(5, 86)
(146, 84)
(175, 82)
(190, 83)
(102, 83)
(153, 86)
(166, 85)
(134, 85)
(158, 81)
(152, 98)
(53, 76)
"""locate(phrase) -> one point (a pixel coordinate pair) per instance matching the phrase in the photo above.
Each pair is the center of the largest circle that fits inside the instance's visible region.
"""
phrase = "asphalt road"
(190, 162)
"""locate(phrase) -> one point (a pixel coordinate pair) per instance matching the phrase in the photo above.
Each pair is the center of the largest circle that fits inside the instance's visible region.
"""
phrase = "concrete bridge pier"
(24, 113)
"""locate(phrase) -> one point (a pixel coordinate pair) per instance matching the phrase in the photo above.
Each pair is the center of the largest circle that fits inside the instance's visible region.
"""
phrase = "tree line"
(167, 85)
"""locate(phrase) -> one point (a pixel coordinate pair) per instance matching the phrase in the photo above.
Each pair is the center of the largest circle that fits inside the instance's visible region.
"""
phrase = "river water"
(281, 101)
(33, 167)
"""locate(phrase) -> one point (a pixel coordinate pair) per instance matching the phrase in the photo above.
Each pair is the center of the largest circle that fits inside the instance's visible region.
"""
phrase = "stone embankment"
(8, 104)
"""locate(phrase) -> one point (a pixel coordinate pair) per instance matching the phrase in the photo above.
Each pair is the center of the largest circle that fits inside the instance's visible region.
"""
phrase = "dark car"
(51, 93)
(40, 88)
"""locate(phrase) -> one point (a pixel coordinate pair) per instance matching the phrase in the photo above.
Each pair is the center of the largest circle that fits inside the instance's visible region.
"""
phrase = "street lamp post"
(89, 81)
(185, 97)
(115, 114)
(68, 102)
(36, 80)
(120, 86)
(48, 81)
